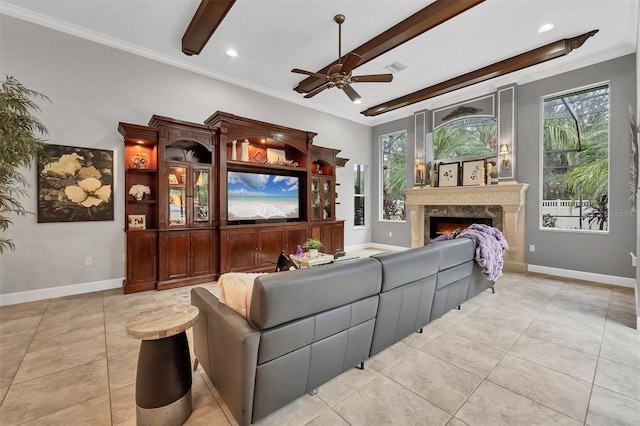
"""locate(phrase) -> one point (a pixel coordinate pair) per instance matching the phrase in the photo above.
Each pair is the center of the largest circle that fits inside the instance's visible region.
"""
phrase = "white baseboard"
(65, 290)
(587, 276)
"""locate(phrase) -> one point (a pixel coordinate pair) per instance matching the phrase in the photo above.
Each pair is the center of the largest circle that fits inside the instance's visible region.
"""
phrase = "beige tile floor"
(542, 350)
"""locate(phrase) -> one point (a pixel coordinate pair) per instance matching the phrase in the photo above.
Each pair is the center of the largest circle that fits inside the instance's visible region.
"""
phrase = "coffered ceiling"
(274, 36)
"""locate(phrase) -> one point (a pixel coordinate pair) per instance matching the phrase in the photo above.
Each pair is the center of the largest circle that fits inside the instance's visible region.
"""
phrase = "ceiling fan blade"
(372, 78)
(327, 85)
(312, 74)
(350, 62)
(351, 93)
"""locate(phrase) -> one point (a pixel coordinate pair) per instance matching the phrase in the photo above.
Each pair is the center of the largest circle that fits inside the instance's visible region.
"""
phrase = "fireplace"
(447, 225)
(503, 204)
(463, 215)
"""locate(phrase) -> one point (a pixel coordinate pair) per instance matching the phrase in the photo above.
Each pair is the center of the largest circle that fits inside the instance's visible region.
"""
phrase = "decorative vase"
(234, 154)
(139, 196)
(313, 253)
(244, 154)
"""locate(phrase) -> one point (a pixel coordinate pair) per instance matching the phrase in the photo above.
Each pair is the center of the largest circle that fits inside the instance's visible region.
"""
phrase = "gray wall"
(595, 253)
(401, 231)
(602, 254)
(93, 87)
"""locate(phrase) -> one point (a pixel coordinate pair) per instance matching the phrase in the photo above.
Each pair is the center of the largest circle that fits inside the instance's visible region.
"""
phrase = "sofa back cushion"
(456, 264)
(283, 297)
(455, 252)
(315, 323)
(408, 285)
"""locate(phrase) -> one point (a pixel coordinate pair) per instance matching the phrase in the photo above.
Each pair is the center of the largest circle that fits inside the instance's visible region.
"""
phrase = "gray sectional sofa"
(309, 325)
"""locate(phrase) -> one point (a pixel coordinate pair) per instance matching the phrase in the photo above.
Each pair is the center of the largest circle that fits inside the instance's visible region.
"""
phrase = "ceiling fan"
(339, 75)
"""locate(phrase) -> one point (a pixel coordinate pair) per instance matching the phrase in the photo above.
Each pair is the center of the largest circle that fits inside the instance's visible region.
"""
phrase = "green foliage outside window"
(575, 162)
(465, 138)
(394, 175)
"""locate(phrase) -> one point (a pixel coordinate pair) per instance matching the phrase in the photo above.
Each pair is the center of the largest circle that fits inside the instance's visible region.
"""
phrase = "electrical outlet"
(390, 234)
(87, 261)
(532, 248)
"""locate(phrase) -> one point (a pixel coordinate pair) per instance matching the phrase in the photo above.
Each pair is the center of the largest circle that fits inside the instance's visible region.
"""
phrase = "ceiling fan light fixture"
(546, 27)
(339, 74)
(232, 53)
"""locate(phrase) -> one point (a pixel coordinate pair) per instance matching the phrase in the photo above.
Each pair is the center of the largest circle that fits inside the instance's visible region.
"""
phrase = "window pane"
(358, 217)
(359, 197)
(465, 137)
(575, 160)
(394, 175)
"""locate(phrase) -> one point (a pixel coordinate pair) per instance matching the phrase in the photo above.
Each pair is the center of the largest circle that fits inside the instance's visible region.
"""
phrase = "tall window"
(575, 160)
(358, 197)
(394, 175)
(465, 137)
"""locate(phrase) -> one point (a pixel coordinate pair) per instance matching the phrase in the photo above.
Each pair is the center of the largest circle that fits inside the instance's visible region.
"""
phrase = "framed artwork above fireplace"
(473, 173)
(448, 174)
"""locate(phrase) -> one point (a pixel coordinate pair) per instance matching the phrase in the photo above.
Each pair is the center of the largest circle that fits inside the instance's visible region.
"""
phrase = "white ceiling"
(274, 36)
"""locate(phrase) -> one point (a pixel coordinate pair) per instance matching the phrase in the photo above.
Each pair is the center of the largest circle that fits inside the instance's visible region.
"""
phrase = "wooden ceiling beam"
(205, 21)
(431, 16)
(515, 63)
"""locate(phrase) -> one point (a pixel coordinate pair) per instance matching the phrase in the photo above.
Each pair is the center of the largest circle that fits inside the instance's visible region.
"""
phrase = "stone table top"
(163, 322)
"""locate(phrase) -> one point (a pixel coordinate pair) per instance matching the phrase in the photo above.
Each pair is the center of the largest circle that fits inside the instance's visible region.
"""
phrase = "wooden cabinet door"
(294, 236)
(175, 247)
(271, 243)
(326, 236)
(241, 246)
(201, 253)
(141, 258)
(338, 236)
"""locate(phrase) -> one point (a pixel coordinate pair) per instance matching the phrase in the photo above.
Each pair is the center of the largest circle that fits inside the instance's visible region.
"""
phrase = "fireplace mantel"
(510, 196)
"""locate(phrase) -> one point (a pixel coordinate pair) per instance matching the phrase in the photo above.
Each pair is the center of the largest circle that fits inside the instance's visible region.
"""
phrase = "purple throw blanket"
(490, 246)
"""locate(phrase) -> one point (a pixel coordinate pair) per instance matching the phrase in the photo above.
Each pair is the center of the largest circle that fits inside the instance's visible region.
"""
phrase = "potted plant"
(312, 245)
(20, 134)
(494, 176)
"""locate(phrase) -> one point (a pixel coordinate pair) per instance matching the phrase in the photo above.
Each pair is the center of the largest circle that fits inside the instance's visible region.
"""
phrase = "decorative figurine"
(244, 154)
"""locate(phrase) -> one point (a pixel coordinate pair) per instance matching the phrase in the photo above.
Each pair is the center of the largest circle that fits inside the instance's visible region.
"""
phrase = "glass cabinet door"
(177, 196)
(201, 195)
(327, 193)
(315, 199)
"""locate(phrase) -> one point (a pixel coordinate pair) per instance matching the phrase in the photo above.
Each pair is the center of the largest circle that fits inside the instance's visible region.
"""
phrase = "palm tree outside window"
(394, 175)
(575, 160)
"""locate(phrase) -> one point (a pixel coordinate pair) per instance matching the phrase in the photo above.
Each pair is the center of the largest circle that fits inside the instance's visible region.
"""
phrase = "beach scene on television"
(252, 196)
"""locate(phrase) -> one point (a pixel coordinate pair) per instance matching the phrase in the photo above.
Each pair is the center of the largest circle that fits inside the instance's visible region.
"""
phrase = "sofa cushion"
(455, 252)
(280, 298)
(400, 268)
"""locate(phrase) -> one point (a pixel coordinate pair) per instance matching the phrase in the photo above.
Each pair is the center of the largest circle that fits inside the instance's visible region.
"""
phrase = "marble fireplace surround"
(511, 196)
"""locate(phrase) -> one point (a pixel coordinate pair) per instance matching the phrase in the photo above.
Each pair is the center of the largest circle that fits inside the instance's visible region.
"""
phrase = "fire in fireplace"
(442, 225)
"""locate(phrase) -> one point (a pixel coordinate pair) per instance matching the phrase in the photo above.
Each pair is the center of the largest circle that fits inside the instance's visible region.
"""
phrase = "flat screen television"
(255, 197)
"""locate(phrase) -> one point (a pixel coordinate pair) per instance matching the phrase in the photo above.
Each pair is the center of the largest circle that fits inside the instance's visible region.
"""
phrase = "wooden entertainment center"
(180, 233)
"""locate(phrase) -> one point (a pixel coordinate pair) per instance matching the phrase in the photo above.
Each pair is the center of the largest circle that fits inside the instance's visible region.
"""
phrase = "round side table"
(163, 380)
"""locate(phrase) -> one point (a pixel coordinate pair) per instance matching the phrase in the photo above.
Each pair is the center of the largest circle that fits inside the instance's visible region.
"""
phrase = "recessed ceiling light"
(545, 28)
(232, 53)
(357, 101)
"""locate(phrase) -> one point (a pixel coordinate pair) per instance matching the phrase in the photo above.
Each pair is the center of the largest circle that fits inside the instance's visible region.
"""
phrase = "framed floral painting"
(448, 174)
(473, 173)
(75, 184)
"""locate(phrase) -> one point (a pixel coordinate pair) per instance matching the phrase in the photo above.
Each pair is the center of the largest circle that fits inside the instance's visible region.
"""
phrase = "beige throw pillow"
(235, 290)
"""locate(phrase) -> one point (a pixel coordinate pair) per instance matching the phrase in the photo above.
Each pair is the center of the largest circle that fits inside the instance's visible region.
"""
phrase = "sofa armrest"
(227, 347)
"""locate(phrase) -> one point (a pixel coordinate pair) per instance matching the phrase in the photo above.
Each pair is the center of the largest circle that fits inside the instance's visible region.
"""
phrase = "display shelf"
(141, 202)
(235, 164)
